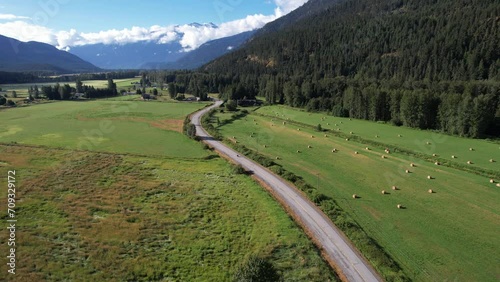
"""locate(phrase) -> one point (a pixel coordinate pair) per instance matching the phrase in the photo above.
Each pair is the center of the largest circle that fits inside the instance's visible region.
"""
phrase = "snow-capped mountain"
(147, 53)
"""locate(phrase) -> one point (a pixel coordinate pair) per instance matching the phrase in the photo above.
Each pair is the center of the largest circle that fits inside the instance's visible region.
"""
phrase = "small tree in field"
(319, 128)
(257, 269)
(14, 94)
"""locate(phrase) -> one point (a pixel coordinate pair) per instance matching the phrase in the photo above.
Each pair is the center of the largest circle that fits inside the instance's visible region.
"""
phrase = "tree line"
(66, 92)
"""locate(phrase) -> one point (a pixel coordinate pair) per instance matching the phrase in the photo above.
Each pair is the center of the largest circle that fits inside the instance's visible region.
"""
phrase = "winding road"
(346, 260)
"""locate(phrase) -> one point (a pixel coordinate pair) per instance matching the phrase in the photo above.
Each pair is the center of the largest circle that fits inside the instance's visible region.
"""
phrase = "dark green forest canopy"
(419, 63)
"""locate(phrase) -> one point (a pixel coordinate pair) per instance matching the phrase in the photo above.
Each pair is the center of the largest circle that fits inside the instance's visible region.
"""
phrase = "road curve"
(346, 258)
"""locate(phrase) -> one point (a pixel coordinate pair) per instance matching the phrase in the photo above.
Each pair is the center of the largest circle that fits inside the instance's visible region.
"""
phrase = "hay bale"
(334, 150)
(265, 146)
(356, 152)
(429, 177)
(277, 158)
(347, 139)
(434, 155)
(400, 206)
(498, 184)
(326, 135)
(383, 157)
(471, 149)
(351, 132)
(492, 160)
(234, 137)
(399, 135)
(298, 129)
(376, 136)
(412, 165)
(492, 181)
(430, 191)
(407, 171)
(354, 196)
(284, 123)
(453, 157)
(469, 162)
(327, 123)
(428, 143)
(395, 188)
(312, 136)
(298, 151)
(309, 146)
(383, 192)
(437, 163)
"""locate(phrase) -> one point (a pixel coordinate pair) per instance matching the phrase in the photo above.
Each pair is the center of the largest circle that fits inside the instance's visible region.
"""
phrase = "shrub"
(257, 269)
(238, 169)
(3, 101)
(11, 103)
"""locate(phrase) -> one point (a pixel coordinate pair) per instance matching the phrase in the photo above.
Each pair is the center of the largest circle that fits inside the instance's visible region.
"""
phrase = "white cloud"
(191, 36)
(11, 17)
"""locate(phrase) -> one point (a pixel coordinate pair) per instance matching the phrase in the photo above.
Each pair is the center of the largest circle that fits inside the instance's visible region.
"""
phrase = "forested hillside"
(419, 63)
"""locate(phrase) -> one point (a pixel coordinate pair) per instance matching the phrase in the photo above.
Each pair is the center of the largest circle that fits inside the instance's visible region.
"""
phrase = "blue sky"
(94, 16)
(69, 23)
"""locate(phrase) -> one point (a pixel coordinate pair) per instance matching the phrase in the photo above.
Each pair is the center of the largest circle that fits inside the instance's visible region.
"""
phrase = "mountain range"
(17, 56)
(156, 55)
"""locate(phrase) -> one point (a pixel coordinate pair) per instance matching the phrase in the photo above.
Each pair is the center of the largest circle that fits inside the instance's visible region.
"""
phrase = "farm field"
(112, 217)
(149, 128)
(445, 146)
(450, 234)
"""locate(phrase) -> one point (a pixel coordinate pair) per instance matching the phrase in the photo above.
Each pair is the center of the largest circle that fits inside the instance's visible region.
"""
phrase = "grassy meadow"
(448, 235)
(150, 128)
(90, 216)
(111, 190)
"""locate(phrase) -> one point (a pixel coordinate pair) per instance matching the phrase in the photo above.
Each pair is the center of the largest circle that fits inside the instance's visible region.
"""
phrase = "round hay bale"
(351, 132)
(277, 158)
(492, 161)
(428, 143)
(347, 139)
(368, 149)
(312, 136)
(469, 162)
(430, 191)
(354, 196)
(309, 146)
(234, 137)
(434, 155)
(407, 171)
(429, 177)
(400, 206)
(334, 150)
(437, 163)
(383, 157)
(453, 157)
(413, 165)
(327, 123)
(356, 152)
(326, 135)
(399, 135)
(284, 123)
(298, 129)
(471, 149)
(394, 188)
(376, 136)
(498, 184)
(265, 146)
(298, 151)
(383, 192)
(350, 119)
(492, 181)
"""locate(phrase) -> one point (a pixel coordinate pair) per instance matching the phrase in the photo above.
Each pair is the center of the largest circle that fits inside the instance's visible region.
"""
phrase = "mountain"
(205, 53)
(385, 39)
(17, 56)
(128, 56)
(155, 55)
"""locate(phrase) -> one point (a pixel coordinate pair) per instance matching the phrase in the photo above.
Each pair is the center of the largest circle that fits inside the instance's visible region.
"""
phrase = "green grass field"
(449, 235)
(149, 128)
(86, 216)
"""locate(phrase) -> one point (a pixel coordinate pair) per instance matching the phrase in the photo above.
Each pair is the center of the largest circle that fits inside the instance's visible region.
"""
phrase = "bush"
(231, 105)
(11, 103)
(3, 101)
(257, 269)
(238, 169)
